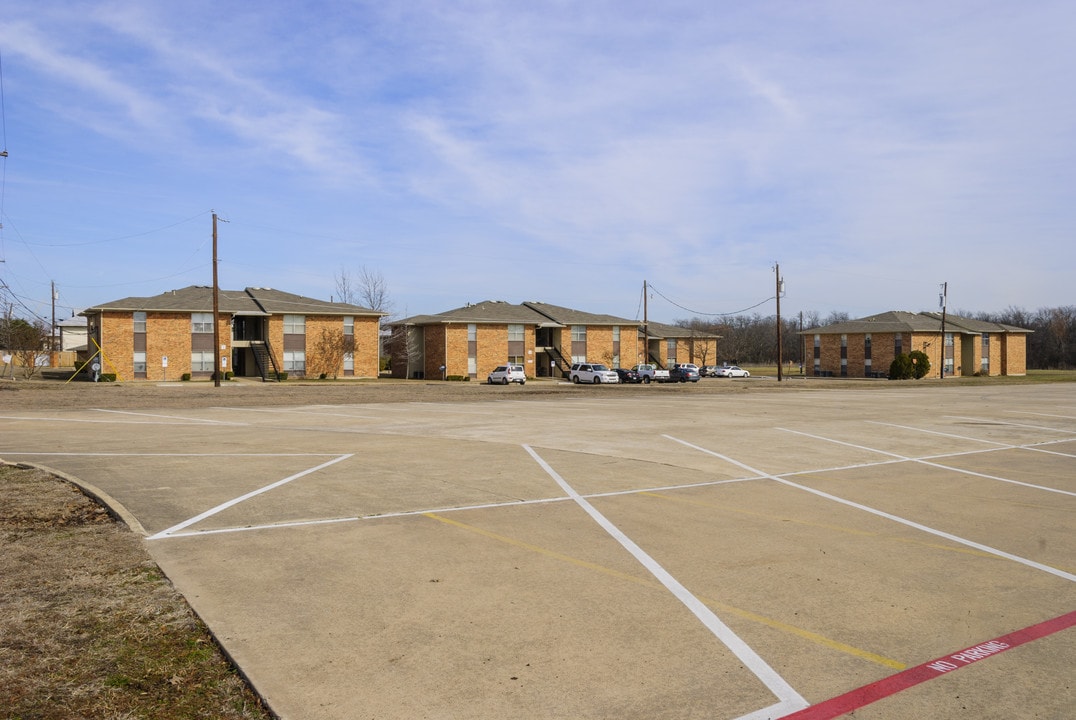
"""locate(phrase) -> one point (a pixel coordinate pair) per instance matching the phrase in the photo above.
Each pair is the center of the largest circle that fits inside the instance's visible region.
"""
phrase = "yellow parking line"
(745, 614)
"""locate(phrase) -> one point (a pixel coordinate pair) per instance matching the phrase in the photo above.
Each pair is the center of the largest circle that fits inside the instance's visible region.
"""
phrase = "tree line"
(752, 339)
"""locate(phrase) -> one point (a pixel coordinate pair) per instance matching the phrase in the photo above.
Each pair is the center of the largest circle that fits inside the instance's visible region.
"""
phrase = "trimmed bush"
(185, 377)
(900, 368)
(458, 378)
(920, 363)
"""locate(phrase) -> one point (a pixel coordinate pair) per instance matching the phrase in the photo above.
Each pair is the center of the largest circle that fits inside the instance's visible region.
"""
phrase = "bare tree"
(373, 291)
(330, 347)
(368, 289)
(346, 289)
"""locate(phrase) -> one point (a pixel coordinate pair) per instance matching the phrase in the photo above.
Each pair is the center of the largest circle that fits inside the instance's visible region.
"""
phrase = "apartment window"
(294, 360)
(202, 361)
(984, 364)
(898, 345)
(670, 351)
(616, 333)
(140, 322)
(349, 326)
(140, 364)
(294, 324)
(515, 359)
(472, 332)
(515, 333)
(579, 359)
(349, 362)
(201, 322)
(579, 333)
(616, 360)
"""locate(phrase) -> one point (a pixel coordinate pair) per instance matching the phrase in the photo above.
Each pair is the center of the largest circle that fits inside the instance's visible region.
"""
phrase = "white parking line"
(789, 699)
(236, 501)
(993, 421)
(950, 468)
(169, 417)
(889, 516)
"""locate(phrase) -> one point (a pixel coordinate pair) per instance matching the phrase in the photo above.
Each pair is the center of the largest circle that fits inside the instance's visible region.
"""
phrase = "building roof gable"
(251, 301)
(897, 321)
(570, 316)
(487, 312)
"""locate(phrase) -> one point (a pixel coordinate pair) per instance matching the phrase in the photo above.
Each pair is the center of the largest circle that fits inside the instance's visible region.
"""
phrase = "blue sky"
(550, 150)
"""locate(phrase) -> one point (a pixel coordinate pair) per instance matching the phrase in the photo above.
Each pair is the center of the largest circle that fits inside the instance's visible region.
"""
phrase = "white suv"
(505, 374)
(592, 373)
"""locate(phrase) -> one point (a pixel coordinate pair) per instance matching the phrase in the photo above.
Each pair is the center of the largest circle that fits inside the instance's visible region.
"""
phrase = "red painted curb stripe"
(905, 679)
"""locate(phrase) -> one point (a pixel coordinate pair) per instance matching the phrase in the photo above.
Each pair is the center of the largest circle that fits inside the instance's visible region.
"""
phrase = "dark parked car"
(627, 375)
(683, 373)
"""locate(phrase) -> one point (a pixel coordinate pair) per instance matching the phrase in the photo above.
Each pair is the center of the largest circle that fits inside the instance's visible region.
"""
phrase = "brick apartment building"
(262, 332)
(545, 339)
(867, 347)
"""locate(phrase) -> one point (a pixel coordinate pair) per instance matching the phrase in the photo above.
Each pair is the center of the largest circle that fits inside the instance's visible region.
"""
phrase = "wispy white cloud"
(695, 143)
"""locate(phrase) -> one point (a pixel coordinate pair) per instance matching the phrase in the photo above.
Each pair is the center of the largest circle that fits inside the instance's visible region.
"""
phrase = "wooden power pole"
(216, 311)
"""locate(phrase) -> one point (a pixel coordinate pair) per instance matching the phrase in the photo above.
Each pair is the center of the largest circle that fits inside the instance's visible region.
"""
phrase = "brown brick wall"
(1013, 359)
(456, 355)
(117, 344)
(434, 343)
(701, 351)
(169, 335)
(367, 346)
(492, 349)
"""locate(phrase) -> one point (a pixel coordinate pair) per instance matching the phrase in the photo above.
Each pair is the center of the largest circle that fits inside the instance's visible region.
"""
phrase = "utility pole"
(646, 329)
(777, 272)
(803, 348)
(216, 311)
(52, 330)
(943, 300)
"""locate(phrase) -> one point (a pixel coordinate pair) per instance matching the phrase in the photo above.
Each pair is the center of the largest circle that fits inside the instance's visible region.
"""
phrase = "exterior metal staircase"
(263, 358)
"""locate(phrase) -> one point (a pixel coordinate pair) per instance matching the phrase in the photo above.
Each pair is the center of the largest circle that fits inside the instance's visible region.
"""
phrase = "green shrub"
(900, 368)
(229, 375)
(185, 377)
(920, 363)
(458, 378)
(108, 377)
(281, 376)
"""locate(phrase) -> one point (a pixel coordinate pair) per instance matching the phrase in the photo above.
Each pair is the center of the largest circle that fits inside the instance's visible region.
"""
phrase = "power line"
(699, 312)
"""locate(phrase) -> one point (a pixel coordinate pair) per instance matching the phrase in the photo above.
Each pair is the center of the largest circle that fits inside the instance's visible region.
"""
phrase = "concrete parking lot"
(893, 551)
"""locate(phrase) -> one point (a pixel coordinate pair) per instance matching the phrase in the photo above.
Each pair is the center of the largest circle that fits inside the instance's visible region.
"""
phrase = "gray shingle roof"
(251, 301)
(496, 312)
(661, 330)
(568, 316)
(897, 321)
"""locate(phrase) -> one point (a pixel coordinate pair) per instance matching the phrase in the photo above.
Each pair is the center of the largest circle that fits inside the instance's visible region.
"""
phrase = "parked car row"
(596, 373)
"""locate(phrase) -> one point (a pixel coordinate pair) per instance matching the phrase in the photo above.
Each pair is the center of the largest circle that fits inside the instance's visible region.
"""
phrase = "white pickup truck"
(651, 373)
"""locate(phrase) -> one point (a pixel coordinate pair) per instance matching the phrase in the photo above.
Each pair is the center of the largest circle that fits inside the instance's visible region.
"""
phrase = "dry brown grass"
(89, 627)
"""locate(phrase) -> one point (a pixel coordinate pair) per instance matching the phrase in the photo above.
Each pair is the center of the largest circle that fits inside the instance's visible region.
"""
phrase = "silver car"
(505, 374)
(592, 373)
